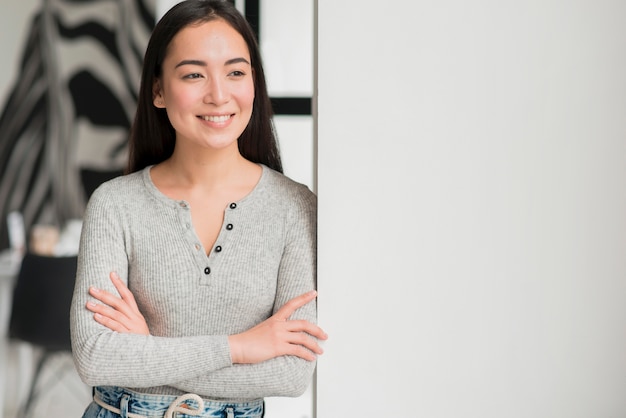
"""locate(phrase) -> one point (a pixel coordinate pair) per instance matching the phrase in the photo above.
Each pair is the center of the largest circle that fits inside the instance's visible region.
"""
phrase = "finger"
(307, 342)
(308, 327)
(293, 304)
(110, 300)
(109, 323)
(123, 290)
(107, 317)
(299, 351)
(108, 312)
(104, 296)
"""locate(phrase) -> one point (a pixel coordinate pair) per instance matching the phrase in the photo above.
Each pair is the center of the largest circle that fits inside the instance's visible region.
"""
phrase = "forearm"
(281, 376)
(132, 360)
(105, 357)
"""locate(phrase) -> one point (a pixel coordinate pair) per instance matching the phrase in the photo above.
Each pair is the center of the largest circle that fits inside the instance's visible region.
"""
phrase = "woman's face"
(207, 85)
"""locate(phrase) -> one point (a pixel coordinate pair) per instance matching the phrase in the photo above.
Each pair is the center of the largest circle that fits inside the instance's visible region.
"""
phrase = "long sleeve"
(192, 301)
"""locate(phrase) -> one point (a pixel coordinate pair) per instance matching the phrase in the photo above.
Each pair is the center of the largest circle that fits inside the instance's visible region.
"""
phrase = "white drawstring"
(175, 406)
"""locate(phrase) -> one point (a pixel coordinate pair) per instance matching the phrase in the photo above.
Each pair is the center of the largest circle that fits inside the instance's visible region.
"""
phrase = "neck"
(208, 169)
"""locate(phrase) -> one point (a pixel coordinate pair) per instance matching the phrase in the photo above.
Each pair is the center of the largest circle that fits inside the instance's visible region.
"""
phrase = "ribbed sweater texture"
(192, 301)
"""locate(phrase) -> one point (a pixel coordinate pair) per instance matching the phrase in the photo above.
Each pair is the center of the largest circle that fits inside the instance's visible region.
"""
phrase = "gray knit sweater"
(264, 256)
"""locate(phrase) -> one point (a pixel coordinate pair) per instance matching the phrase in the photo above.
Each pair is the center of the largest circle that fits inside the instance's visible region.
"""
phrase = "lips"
(216, 118)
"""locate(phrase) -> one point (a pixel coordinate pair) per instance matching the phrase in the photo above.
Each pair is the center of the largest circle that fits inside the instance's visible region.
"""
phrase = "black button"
(218, 249)
(207, 270)
(233, 205)
(229, 227)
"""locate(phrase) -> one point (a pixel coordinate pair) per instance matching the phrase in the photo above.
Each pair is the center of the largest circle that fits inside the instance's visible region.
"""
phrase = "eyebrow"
(204, 64)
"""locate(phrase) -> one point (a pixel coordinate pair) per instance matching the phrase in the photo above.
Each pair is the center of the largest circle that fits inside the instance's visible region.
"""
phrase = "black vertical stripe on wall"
(251, 10)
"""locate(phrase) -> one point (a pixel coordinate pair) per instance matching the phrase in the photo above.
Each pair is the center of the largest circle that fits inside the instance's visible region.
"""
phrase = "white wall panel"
(472, 208)
(295, 134)
(287, 46)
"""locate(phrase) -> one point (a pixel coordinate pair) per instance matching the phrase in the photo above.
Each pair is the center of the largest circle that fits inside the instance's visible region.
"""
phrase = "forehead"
(215, 39)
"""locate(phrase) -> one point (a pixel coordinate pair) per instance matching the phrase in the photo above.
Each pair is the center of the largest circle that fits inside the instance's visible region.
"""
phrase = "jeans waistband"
(130, 404)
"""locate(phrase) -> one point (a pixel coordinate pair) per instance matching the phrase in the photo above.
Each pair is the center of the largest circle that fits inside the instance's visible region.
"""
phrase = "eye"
(192, 76)
(236, 73)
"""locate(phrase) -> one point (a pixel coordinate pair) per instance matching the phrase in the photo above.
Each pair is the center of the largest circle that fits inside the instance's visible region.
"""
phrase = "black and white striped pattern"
(71, 106)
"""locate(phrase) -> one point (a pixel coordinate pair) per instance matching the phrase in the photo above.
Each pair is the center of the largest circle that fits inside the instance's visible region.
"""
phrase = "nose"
(217, 92)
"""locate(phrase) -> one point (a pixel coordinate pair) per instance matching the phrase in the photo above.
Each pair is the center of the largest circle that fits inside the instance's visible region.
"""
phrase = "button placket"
(229, 227)
(185, 218)
(218, 248)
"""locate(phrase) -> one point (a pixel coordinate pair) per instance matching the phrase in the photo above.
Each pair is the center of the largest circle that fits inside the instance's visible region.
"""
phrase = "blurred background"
(67, 96)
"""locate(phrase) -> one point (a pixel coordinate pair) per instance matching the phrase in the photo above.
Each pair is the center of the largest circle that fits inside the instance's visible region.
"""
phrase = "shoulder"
(126, 187)
(289, 192)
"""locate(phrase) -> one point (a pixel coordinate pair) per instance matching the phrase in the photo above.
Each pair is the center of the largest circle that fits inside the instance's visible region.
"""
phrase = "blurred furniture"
(40, 312)
(91, 178)
(9, 267)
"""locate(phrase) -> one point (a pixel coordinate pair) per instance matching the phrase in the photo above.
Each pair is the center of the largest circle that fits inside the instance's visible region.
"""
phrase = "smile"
(216, 119)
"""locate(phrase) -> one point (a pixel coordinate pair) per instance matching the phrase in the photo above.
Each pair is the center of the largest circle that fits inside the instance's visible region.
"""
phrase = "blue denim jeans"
(128, 404)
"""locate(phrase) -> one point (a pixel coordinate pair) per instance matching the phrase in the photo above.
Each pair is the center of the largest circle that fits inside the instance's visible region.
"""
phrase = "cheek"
(245, 94)
(180, 96)
(184, 99)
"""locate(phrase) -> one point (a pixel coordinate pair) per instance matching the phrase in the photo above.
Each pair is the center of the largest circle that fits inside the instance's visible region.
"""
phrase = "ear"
(157, 95)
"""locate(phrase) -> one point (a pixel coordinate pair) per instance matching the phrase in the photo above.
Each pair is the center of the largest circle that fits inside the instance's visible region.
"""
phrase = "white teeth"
(222, 118)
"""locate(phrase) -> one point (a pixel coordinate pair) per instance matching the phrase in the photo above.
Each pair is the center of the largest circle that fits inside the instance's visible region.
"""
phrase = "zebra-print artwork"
(71, 106)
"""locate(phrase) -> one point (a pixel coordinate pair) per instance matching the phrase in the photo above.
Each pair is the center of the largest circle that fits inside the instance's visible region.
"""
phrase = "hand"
(119, 314)
(277, 336)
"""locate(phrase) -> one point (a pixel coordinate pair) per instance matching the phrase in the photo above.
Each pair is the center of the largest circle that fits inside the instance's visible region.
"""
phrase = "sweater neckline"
(147, 179)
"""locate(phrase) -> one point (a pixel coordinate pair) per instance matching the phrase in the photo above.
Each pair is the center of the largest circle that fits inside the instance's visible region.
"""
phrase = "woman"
(211, 304)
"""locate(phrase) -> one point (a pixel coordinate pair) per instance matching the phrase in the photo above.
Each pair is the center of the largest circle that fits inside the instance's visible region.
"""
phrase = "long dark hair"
(152, 136)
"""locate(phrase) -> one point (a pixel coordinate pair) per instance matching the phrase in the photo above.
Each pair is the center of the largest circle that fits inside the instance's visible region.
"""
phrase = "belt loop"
(124, 405)
(230, 412)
